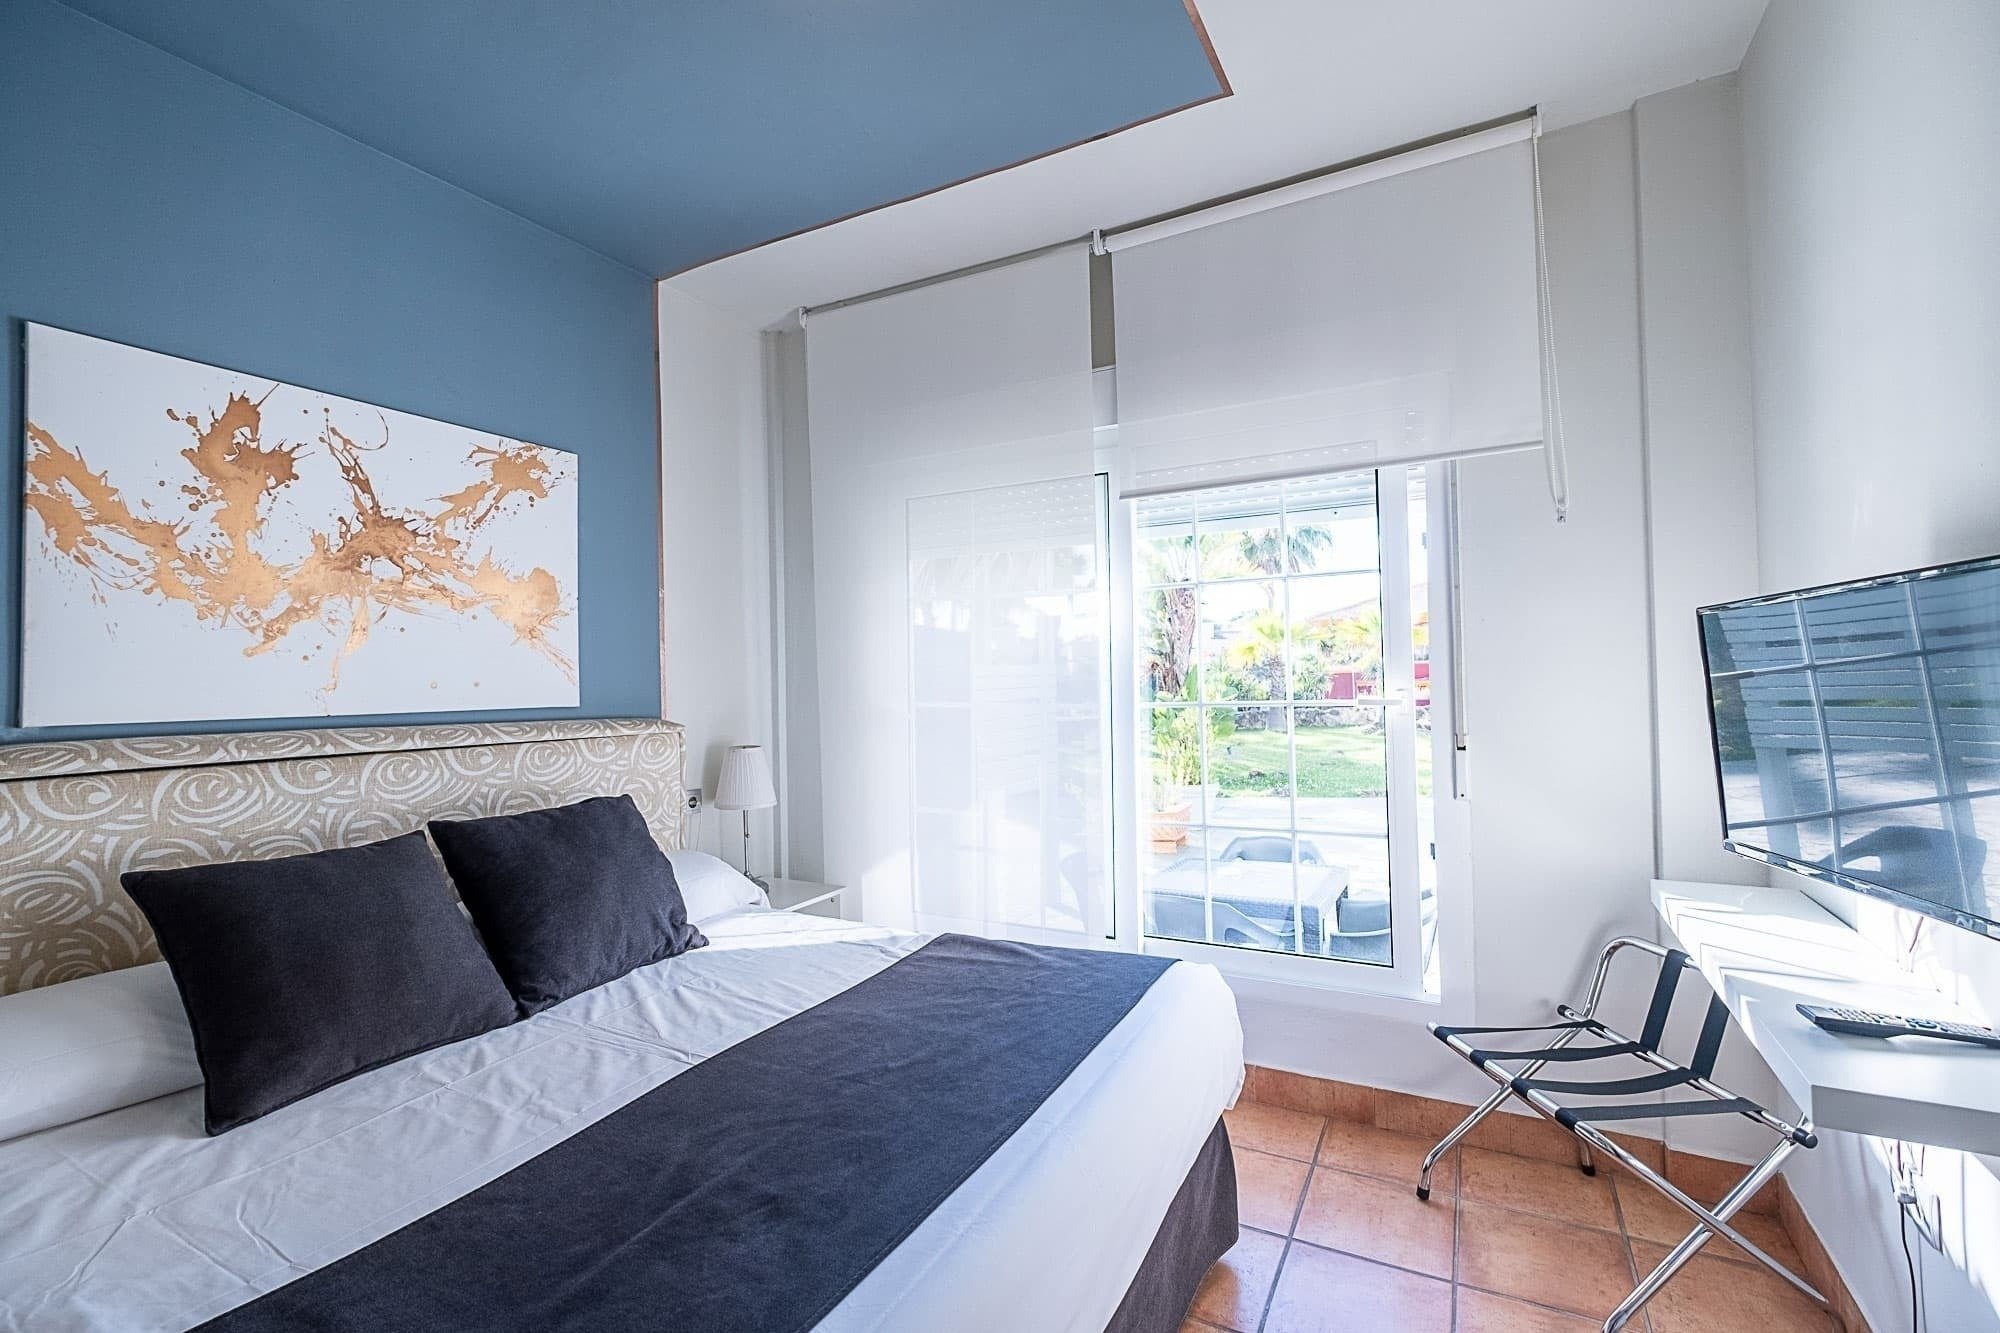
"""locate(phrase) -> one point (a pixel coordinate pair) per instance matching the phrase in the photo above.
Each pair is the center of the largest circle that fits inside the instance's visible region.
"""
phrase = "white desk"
(1767, 950)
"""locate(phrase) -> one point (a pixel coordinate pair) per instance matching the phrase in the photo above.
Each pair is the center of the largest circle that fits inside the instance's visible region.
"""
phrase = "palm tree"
(1266, 553)
(1170, 624)
(1356, 642)
(1297, 553)
(1260, 654)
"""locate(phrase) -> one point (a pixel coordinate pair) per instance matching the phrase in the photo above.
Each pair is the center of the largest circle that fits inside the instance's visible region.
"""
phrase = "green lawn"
(1332, 762)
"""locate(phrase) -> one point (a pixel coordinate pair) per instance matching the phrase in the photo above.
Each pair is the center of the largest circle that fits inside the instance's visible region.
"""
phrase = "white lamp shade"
(746, 780)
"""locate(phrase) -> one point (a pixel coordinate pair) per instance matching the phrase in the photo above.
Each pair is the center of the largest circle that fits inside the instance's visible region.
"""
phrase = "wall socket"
(694, 799)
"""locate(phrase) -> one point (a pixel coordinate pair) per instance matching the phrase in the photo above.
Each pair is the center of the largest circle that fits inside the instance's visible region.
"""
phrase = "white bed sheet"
(136, 1220)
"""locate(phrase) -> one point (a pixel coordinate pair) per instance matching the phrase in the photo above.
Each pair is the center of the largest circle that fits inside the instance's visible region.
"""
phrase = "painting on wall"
(201, 544)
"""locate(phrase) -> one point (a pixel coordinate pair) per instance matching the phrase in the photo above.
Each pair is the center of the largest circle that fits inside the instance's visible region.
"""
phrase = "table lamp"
(745, 785)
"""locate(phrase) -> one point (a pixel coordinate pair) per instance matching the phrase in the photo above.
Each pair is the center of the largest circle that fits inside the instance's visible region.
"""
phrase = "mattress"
(136, 1220)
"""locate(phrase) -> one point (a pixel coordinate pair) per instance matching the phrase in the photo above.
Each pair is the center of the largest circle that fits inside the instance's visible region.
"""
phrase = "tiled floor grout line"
(1382, 1263)
(1298, 1209)
(1457, 1198)
(1508, 1295)
(1529, 1301)
(1454, 1281)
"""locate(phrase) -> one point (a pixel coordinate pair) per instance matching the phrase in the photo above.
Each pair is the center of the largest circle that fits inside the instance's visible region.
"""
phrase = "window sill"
(1310, 982)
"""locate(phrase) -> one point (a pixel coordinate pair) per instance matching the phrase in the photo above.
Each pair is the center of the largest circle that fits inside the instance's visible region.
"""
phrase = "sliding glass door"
(1010, 721)
(1282, 744)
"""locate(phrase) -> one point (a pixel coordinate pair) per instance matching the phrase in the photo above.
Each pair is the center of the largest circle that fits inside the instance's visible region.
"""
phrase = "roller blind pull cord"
(1555, 457)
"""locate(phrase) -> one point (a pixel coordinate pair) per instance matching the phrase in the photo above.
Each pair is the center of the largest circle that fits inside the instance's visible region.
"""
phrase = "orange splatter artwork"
(213, 550)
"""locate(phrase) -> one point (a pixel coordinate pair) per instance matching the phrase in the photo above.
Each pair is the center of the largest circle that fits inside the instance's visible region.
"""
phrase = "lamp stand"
(746, 854)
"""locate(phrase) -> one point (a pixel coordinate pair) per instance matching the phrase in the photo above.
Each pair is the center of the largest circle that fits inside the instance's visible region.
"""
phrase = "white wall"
(1701, 492)
(1701, 486)
(1872, 159)
(1873, 140)
(716, 530)
(1556, 626)
(801, 814)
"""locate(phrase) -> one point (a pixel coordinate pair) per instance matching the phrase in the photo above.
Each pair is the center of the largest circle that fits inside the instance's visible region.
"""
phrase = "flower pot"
(1169, 827)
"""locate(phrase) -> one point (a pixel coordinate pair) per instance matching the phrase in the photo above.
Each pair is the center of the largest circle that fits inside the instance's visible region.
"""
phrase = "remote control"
(1867, 1023)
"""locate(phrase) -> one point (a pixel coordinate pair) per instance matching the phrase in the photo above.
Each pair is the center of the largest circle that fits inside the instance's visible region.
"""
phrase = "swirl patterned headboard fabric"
(75, 815)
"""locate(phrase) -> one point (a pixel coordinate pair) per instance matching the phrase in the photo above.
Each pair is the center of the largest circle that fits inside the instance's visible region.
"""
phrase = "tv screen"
(1857, 735)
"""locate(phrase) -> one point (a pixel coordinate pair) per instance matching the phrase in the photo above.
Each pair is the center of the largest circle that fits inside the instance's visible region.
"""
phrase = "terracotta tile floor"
(1333, 1238)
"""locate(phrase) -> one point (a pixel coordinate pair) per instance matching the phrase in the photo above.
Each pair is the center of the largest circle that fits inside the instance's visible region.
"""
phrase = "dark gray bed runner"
(755, 1190)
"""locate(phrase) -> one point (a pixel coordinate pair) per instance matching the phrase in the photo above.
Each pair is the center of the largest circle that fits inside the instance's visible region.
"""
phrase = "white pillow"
(711, 886)
(92, 1045)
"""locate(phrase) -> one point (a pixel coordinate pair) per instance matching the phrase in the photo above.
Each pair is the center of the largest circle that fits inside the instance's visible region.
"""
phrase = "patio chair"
(1269, 847)
(1360, 929)
(1187, 918)
(1611, 1101)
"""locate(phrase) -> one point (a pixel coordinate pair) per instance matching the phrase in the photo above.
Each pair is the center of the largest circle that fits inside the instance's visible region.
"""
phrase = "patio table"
(1262, 891)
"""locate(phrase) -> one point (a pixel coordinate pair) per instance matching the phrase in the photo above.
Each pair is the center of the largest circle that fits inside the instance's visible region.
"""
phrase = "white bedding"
(136, 1220)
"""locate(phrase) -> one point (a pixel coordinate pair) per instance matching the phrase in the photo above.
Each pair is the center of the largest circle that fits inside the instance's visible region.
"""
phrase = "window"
(1282, 643)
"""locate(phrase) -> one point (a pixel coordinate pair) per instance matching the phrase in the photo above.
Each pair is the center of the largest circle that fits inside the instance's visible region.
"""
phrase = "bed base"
(1199, 1228)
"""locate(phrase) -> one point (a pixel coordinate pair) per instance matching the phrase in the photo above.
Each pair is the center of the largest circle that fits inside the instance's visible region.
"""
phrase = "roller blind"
(1393, 321)
(957, 526)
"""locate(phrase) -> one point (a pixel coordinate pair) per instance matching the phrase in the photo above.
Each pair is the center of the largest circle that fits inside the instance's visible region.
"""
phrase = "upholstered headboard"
(74, 815)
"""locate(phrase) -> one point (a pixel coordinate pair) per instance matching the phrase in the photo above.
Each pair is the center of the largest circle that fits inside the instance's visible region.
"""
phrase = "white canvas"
(201, 544)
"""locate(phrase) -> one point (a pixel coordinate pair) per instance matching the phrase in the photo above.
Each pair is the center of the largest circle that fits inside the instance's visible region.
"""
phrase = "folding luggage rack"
(1583, 1119)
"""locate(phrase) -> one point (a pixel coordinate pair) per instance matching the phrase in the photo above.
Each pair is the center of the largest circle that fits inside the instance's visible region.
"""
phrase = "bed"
(1099, 1210)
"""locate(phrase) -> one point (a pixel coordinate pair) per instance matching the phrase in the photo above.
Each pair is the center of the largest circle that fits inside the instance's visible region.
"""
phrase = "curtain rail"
(1420, 153)
(1463, 144)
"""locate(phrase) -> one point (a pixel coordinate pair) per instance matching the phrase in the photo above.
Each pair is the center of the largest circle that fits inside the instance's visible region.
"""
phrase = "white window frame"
(1400, 988)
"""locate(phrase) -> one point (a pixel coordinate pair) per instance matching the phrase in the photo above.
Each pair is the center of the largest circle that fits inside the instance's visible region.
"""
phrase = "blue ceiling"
(665, 133)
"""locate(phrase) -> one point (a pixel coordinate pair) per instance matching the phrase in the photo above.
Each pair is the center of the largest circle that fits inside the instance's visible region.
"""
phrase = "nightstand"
(805, 895)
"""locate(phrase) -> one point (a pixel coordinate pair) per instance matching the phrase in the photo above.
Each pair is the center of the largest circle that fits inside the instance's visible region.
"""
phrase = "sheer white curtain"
(959, 586)
(1393, 321)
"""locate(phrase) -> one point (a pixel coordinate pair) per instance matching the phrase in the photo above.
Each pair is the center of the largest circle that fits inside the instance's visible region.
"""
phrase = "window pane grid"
(1290, 849)
(1252, 578)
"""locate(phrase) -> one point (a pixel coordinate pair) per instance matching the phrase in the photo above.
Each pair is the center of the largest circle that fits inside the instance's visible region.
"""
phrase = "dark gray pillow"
(568, 898)
(303, 971)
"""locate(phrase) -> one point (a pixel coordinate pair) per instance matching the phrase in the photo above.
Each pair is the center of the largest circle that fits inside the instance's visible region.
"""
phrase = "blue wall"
(146, 201)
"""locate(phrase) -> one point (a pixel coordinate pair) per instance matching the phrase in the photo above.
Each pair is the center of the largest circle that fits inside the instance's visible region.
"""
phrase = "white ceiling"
(1316, 82)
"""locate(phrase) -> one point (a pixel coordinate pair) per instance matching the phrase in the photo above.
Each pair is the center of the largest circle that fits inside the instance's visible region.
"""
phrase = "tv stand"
(1766, 951)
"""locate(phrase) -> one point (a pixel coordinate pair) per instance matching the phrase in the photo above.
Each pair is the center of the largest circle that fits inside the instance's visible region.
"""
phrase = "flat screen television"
(1856, 730)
